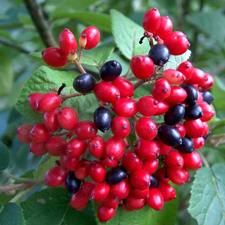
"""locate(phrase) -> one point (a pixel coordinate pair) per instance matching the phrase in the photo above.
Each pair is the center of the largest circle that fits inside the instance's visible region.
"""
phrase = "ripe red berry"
(150, 165)
(198, 142)
(147, 105)
(135, 203)
(178, 176)
(76, 147)
(67, 42)
(174, 160)
(33, 99)
(39, 133)
(68, 163)
(186, 69)
(142, 66)
(139, 193)
(167, 190)
(97, 171)
(208, 112)
(194, 128)
(161, 89)
(173, 76)
(67, 118)
(165, 28)
(111, 201)
(177, 95)
(55, 176)
(120, 190)
(131, 161)
(155, 199)
(79, 200)
(51, 120)
(38, 148)
(120, 127)
(206, 85)
(54, 57)
(198, 76)
(105, 213)
(82, 169)
(23, 133)
(87, 187)
(56, 145)
(124, 86)
(151, 20)
(140, 179)
(100, 192)
(192, 160)
(96, 146)
(146, 128)
(89, 38)
(181, 129)
(163, 107)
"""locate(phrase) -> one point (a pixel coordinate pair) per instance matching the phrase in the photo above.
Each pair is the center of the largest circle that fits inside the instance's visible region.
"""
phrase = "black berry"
(110, 70)
(154, 181)
(175, 114)
(72, 183)
(116, 175)
(207, 97)
(193, 112)
(187, 145)
(102, 119)
(84, 83)
(192, 94)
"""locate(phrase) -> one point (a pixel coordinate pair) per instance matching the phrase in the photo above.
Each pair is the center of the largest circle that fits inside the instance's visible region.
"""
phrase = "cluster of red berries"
(161, 152)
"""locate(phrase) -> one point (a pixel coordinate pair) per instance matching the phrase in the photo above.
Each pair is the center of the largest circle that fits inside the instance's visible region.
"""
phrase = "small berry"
(110, 70)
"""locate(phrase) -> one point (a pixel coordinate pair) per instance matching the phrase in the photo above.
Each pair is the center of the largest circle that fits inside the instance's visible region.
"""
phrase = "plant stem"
(79, 66)
(203, 159)
(24, 180)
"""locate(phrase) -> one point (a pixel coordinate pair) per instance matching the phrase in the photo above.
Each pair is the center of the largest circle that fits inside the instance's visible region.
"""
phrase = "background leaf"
(52, 206)
(4, 157)
(207, 203)
(12, 214)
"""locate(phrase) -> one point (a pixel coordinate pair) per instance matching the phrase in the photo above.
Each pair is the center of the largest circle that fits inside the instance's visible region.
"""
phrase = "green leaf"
(144, 216)
(99, 20)
(45, 164)
(4, 157)
(207, 203)
(52, 206)
(176, 60)
(218, 90)
(6, 75)
(210, 23)
(41, 81)
(127, 35)
(97, 56)
(38, 57)
(12, 214)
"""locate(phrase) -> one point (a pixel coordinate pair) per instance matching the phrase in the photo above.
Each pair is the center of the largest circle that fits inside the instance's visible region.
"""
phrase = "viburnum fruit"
(110, 70)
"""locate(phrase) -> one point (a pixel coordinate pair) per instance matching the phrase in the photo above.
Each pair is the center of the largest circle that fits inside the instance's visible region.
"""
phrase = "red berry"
(198, 142)
(120, 127)
(151, 20)
(164, 149)
(139, 193)
(142, 66)
(33, 99)
(206, 85)
(155, 199)
(96, 146)
(165, 28)
(87, 187)
(67, 42)
(173, 76)
(100, 192)
(56, 145)
(86, 129)
(120, 190)
(76, 147)
(79, 200)
(82, 169)
(186, 69)
(198, 76)
(181, 129)
(54, 57)
(111, 201)
(125, 107)
(194, 128)
(174, 160)
(135, 203)
(105, 213)
(38, 148)
(97, 171)
(167, 190)
(161, 173)
(131, 161)
(146, 128)
(67, 118)
(23, 133)
(51, 120)
(140, 179)
(192, 160)
(39, 133)
(178, 176)
(109, 161)
(124, 86)
(68, 163)
(147, 105)
(163, 107)
(150, 165)
(177, 95)
(55, 176)
(208, 112)
(161, 89)
(89, 38)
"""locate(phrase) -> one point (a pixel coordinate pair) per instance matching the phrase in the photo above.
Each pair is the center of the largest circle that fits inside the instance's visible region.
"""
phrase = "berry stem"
(64, 97)
(139, 83)
(80, 55)
(79, 66)
(25, 180)
(60, 134)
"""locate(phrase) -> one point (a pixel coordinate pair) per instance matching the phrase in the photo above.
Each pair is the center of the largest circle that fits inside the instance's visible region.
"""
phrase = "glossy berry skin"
(169, 135)
(56, 145)
(135, 203)
(192, 161)
(84, 83)
(72, 183)
(151, 20)
(198, 142)
(146, 128)
(23, 133)
(208, 112)
(110, 70)
(186, 146)
(155, 199)
(150, 165)
(33, 99)
(86, 129)
(140, 179)
(109, 161)
(124, 86)
(82, 169)
(76, 147)
(116, 175)
(39, 133)
(208, 97)
(131, 161)
(48, 102)
(51, 120)
(96, 146)
(178, 177)
(163, 107)
(174, 160)
(147, 105)
(198, 76)
(106, 92)
(105, 213)
(114, 147)
(55, 176)
(102, 119)
(67, 118)
(206, 85)
(159, 54)
(111, 201)
(167, 190)
(125, 107)
(164, 149)
(68, 163)
(100, 192)
(173, 76)
(177, 95)
(79, 200)
(192, 94)
(139, 193)
(161, 89)
(38, 148)
(120, 127)
(54, 57)
(142, 66)
(120, 190)
(177, 43)
(67, 42)
(87, 187)
(186, 69)
(92, 37)
(194, 128)
(161, 173)
(193, 112)
(175, 114)
(165, 28)
(97, 171)
(147, 149)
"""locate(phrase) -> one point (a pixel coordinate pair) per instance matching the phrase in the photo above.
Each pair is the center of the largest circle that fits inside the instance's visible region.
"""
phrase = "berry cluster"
(126, 174)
